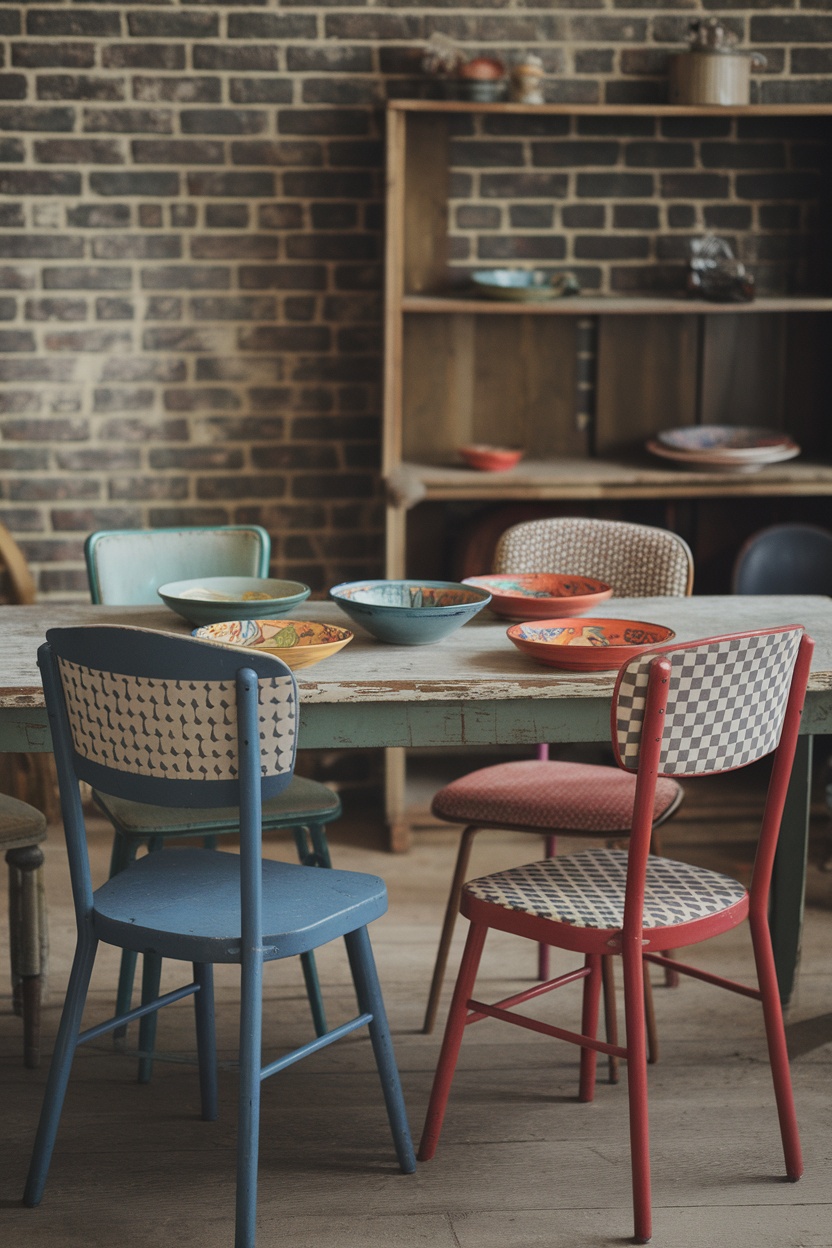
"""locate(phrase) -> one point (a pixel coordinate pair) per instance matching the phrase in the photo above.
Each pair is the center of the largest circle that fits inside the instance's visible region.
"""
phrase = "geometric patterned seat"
(562, 798)
(588, 889)
(691, 709)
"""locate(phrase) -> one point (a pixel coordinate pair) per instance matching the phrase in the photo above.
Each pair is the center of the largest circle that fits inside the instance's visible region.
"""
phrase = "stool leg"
(26, 925)
(610, 1012)
(451, 910)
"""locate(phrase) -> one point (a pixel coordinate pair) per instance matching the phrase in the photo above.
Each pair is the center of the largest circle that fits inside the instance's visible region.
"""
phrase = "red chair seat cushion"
(556, 796)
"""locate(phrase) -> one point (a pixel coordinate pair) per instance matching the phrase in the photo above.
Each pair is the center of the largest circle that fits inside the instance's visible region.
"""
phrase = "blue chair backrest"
(125, 567)
(785, 559)
(165, 720)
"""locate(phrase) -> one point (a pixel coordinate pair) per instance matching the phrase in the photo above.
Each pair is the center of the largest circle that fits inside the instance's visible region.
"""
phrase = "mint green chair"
(125, 567)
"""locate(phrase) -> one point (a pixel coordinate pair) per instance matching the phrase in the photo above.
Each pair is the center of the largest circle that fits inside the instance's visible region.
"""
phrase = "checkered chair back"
(726, 703)
(636, 560)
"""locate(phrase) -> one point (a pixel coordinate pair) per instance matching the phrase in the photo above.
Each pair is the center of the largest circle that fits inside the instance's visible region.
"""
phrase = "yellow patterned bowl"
(299, 643)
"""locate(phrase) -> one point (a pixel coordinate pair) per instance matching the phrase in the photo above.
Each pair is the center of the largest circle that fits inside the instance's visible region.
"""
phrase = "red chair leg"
(589, 1026)
(452, 1040)
(451, 911)
(650, 1020)
(637, 1088)
(550, 849)
(777, 1050)
(610, 1013)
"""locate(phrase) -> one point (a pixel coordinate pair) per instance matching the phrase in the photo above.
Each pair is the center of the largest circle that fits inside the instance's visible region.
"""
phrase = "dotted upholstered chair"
(172, 720)
(125, 567)
(688, 710)
(552, 797)
(22, 830)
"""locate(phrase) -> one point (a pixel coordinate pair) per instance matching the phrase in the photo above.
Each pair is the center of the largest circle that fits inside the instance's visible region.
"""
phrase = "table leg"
(788, 885)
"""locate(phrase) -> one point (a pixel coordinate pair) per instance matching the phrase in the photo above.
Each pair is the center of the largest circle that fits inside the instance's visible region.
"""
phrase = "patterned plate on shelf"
(715, 461)
(730, 440)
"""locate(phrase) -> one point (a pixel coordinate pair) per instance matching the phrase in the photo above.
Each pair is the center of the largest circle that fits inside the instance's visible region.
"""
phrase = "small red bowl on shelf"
(488, 458)
(587, 645)
(540, 595)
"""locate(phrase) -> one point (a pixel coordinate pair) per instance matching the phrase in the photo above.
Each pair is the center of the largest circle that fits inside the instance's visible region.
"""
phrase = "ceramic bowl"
(491, 458)
(590, 645)
(717, 461)
(409, 613)
(522, 285)
(212, 599)
(538, 595)
(299, 643)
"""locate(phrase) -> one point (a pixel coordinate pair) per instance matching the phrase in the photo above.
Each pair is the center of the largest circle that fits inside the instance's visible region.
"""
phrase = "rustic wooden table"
(474, 688)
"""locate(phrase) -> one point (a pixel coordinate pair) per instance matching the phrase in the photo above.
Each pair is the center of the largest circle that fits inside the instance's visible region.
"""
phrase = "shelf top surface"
(615, 110)
(579, 305)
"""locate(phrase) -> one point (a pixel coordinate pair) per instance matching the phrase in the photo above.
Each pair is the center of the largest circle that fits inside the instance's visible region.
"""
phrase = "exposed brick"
(727, 216)
(575, 154)
(339, 91)
(78, 87)
(524, 185)
(234, 247)
(45, 431)
(177, 152)
(260, 90)
(743, 155)
(49, 489)
(137, 247)
(166, 25)
(79, 152)
(615, 185)
(86, 277)
(276, 153)
(241, 486)
(164, 308)
(283, 277)
(241, 308)
(635, 217)
(129, 183)
(12, 150)
(525, 216)
(521, 247)
(151, 216)
(198, 459)
(330, 58)
(322, 121)
(776, 185)
(56, 309)
(38, 182)
(332, 246)
(285, 338)
(138, 429)
(96, 340)
(40, 246)
(263, 57)
(329, 216)
(227, 216)
(659, 155)
(584, 216)
(694, 186)
(12, 87)
(90, 519)
(178, 90)
(13, 459)
(8, 308)
(49, 55)
(123, 459)
(326, 185)
(232, 185)
(186, 277)
(136, 55)
(24, 117)
(145, 487)
(129, 120)
(11, 216)
(681, 216)
(107, 309)
(50, 22)
(790, 29)
(222, 121)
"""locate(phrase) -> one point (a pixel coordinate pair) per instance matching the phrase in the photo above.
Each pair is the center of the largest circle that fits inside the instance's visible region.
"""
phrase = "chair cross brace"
(321, 1042)
(694, 972)
(534, 1024)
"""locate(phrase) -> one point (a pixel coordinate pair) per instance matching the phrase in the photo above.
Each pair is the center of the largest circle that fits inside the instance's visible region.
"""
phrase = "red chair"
(686, 710)
(557, 798)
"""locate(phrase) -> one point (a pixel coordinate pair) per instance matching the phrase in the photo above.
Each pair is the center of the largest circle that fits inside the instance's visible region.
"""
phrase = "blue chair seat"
(185, 904)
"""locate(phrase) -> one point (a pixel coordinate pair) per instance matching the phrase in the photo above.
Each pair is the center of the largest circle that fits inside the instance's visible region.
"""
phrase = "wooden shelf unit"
(461, 368)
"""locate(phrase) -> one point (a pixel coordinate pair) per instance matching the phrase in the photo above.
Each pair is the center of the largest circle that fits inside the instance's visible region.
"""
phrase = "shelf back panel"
(426, 204)
(508, 381)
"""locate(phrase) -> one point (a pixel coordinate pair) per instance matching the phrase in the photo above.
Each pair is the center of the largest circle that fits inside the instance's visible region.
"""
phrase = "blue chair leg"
(64, 1051)
(368, 991)
(124, 852)
(248, 1121)
(206, 1039)
(313, 852)
(151, 978)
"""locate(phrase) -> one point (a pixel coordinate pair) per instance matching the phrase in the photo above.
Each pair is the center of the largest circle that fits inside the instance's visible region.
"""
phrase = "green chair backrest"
(125, 567)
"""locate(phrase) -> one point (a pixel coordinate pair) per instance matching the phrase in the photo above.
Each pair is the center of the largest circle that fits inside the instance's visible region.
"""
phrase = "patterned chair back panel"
(726, 704)
(637, 561)
(173, 729)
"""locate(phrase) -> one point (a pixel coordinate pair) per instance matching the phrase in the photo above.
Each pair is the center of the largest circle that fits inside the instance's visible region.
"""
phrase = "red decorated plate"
(587, 645)
(491, 458)
(538, 595)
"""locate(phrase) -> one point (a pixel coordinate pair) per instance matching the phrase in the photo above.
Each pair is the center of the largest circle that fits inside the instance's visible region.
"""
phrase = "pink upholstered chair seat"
(550, 796)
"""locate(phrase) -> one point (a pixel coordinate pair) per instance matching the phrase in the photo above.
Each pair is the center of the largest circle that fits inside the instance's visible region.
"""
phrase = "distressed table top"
(476, 666)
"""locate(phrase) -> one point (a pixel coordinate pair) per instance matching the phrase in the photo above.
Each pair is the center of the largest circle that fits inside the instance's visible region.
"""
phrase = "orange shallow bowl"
(491, 458)
(299, 643)
(587, 645)
(540, 595)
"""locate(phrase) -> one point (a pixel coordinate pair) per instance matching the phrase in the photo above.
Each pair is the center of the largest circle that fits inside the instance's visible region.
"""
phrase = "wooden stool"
(22, 828)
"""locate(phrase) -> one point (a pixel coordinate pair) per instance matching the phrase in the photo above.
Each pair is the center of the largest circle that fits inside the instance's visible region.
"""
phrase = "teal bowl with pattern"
(409, 613)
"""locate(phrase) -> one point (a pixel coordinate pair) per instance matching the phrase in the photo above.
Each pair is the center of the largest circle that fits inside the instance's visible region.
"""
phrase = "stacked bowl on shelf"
(723, 448)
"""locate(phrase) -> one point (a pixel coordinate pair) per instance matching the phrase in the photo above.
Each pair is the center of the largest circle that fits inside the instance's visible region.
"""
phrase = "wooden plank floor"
(520, 1164)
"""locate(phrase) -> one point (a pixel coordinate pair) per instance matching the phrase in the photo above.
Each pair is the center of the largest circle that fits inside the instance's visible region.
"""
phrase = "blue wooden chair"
(178, 722)
(125, 567)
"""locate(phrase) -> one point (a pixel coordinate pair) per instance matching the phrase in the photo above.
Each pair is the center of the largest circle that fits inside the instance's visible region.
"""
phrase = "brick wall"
(190, 217)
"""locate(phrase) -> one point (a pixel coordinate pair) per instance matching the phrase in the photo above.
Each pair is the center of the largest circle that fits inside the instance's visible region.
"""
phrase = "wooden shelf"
(615, 110)
(574, 478)
(609, 305)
